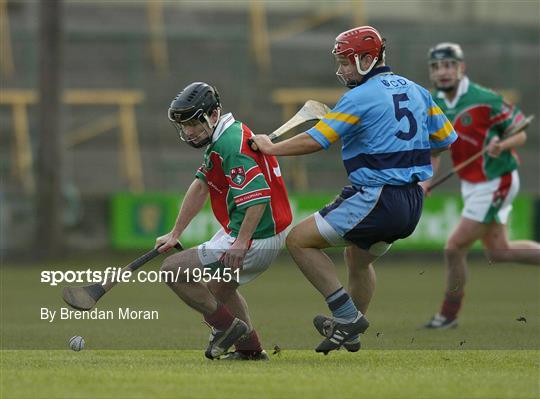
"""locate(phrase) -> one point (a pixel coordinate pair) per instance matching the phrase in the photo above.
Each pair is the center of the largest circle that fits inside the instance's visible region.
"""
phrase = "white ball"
(76, 343)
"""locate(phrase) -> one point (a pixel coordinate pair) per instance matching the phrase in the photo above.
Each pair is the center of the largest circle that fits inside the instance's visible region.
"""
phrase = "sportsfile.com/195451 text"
(116, 275)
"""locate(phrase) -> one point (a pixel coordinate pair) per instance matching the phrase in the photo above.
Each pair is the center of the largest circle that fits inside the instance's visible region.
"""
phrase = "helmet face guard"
(199, 123)
(345, 78)
(355, 44)
(194, 132)
(442, 55)
(190, 113)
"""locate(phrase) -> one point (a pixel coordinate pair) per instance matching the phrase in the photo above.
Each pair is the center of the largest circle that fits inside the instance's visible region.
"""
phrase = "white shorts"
(490, 201)
(260, 255)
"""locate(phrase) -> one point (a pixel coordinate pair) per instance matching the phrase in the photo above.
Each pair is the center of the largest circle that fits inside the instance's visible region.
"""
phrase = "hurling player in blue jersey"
(389, 129)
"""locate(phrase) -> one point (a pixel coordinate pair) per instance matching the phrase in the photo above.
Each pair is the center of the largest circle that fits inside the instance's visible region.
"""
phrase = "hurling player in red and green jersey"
(248, 198)
(482, 119)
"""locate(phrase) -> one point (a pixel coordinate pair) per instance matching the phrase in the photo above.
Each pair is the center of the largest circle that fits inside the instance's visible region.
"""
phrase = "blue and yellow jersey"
(387, 125)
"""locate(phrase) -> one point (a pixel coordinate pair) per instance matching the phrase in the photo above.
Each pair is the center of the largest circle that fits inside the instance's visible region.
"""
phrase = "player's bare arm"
(300, 144)
(234, 257)
(496, 146)
(435, 164)
(191, 206)
(436, 158)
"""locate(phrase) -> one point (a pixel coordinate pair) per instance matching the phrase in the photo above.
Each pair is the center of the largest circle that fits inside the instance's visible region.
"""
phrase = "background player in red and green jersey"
(481, 118)
(249, 200)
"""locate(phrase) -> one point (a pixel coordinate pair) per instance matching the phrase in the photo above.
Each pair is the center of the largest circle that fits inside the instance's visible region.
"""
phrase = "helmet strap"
(359, 68)
(213, 125)
(459, 73)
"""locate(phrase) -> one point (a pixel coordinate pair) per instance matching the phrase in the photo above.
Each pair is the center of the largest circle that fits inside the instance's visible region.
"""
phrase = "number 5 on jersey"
(404, 112)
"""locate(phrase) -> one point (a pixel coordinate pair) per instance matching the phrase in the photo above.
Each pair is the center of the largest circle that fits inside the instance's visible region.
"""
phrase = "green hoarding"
(442, 213)
(137, 219)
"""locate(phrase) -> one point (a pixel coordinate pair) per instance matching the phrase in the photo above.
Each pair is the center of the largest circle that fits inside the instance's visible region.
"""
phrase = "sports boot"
(221, 341)
(323, 323)
(439, 322)
(337, 332)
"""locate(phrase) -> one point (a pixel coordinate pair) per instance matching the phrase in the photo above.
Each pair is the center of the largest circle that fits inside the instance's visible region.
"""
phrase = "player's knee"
(455, 244)
(168, 265)
(169, 271)
(293, 240)
(454, 253)
(498, 255)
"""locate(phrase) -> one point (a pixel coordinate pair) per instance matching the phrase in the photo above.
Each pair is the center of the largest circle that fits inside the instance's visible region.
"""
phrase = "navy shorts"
(368, 215)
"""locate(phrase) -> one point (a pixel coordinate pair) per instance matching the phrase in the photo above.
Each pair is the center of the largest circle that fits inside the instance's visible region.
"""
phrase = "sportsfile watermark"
(117, 275)
(283, 305)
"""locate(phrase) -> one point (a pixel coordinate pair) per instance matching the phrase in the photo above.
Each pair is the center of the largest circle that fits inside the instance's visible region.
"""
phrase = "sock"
(221, 319)
(341, 305)
(451, 304)
(249, 344)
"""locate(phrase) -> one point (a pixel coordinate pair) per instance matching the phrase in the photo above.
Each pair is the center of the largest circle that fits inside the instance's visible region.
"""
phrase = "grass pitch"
(293, 374)
(491, 354)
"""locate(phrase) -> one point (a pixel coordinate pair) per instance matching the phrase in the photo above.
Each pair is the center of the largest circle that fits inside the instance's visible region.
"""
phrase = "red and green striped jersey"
(238, 177)
(479, 114)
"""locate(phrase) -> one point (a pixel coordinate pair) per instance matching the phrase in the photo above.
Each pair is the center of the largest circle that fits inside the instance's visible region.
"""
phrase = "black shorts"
(367, 215)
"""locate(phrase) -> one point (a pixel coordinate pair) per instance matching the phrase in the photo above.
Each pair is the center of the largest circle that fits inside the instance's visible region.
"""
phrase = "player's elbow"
(435, 152)
(315, 146)
(307, 144)
(522, 139)
(201, 187)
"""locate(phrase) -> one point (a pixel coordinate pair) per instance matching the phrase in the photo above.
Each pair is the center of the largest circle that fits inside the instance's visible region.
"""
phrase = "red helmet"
(357, 42)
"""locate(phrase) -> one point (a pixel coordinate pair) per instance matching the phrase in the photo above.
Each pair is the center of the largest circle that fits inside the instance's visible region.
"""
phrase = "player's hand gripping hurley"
(522, 125)
(312, 110)
(85, 298)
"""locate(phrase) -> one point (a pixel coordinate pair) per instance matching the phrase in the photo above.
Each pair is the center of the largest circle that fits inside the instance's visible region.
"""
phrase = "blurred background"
(90, 162)
(91, 171)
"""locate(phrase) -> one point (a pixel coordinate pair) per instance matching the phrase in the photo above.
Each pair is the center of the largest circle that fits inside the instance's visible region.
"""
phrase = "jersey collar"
(463, 87)
(375, 71)
(224, 122)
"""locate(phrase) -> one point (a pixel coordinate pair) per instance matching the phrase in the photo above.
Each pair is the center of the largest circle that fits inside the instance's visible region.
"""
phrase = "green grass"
(295, 373)
(491, 355)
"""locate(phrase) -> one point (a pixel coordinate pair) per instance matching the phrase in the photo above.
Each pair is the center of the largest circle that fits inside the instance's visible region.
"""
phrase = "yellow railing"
(123, 118)
(262, 37)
